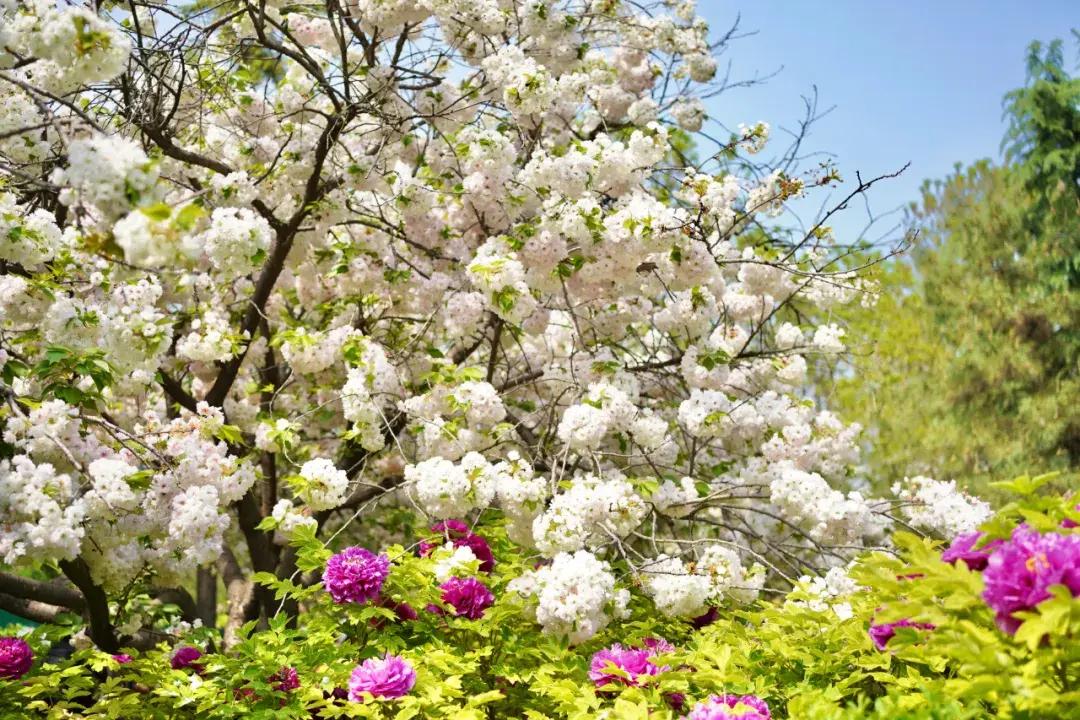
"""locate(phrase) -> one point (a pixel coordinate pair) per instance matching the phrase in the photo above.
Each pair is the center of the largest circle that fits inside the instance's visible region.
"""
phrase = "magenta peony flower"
(285, 679)
(883, 633)
(469, 597)
(633, 666)
(676, 701)
(123, 658)
(731, 707)
(460, 536)
(1019, 573)
(707, 619)
(185, 657)
(16, 658)
(355, 575)
(963, 548)
(404, 611)
(390, 677)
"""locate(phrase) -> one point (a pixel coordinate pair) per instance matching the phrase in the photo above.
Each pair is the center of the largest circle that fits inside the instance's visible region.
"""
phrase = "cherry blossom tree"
(269, 268)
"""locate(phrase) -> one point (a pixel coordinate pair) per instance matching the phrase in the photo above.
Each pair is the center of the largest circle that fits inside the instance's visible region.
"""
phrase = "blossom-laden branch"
(269, 268)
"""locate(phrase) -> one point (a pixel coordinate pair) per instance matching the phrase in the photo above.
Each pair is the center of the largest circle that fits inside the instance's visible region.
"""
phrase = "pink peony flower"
(390, 677)
(460, 535)
(1019, 573)
(731, 707)
(355, 575)
(123, 658)
(186, 657)
(632, 665)
(469, 597)
(883, 633)
(963, 548)
(16, 657)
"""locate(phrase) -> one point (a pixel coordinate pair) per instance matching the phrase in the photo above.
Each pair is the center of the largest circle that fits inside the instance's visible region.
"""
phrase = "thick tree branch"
(46, 592)
(30, 609)
(97, 604)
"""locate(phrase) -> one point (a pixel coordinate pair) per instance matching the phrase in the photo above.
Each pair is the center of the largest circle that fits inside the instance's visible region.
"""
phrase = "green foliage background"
(971, 362)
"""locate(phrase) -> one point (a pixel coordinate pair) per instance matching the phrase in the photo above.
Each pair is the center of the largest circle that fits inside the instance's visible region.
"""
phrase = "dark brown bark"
(97, 605)
(46, 592)
(206, 597)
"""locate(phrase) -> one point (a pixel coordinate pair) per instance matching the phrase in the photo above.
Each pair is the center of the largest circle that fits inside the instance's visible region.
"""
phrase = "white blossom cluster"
(592, 512)
(575, 596)
(807, 499)
(107, 176)
(321, 484)
(466, 271)
(830, 591)
(688, 590)
(940, 506)
(129, 517)
(76, 45)
(287, 520)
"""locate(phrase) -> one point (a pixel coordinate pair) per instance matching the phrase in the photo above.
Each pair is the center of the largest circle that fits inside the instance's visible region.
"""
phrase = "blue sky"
(912, 80)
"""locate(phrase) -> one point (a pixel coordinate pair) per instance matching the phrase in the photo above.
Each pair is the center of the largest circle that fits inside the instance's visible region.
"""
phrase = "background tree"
(976, 339)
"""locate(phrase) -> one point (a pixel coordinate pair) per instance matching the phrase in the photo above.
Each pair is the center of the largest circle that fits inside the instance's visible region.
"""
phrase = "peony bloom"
(185, 657)
(390, 677)
(632, 666)
(1019, 573)
(963, 548)
(731, 707)
(16, 657)
(707, 619)
(285, 679)
(123, 658)
(883, 633)
(460, 536)
(469, 597)
(403, 611)
(355, 575)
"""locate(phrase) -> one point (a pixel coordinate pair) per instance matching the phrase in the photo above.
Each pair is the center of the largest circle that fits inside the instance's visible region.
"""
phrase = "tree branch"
(26, 588)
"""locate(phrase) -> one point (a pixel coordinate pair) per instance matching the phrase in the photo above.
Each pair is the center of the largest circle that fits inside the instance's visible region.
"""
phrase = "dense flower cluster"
(572, 595)
(941, 506)
(687, 590)
(438, 258)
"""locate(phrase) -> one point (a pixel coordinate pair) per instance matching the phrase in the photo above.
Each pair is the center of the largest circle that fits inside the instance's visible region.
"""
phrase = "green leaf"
(158, 212)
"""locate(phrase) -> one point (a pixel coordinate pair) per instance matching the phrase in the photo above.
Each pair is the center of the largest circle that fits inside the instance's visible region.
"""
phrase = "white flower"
(941, 506)
(235, 240)
(323, 486)
(446, 490)
(571, 596)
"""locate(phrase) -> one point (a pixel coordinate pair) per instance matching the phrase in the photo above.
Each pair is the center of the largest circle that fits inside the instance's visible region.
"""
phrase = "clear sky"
(911, 80)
